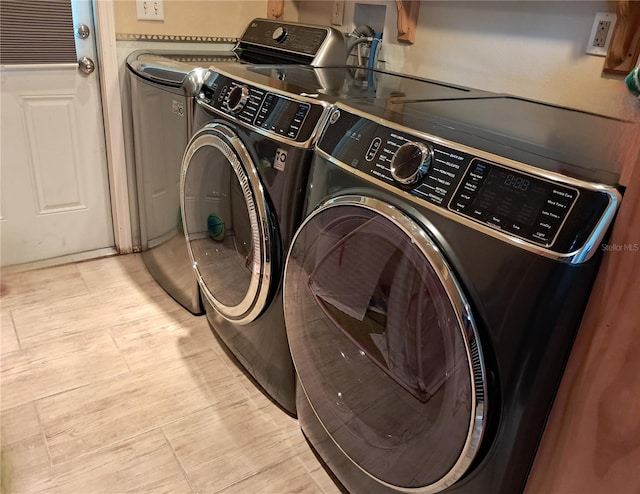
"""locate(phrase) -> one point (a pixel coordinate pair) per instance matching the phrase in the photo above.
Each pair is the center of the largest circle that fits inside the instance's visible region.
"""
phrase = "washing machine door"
(230, 230)
(384, 344)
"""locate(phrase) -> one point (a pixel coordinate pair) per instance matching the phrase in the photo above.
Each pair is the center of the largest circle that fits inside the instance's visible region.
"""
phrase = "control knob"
(279, 34)
(411, 162)
(236, 99)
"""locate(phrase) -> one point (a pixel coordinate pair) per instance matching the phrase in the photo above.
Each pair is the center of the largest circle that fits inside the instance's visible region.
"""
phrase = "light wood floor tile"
(36, 324)
(288, 477)
(41, 286)
(92, 417)
(144, 464)
(63, 364)
(112, 272)
(112, 374)
(162, 337)
(9, 341)
(222, 445)
(24, 455)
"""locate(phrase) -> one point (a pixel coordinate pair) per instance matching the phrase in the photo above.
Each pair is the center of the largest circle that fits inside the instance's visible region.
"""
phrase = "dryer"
(433, 291)
(243, 179)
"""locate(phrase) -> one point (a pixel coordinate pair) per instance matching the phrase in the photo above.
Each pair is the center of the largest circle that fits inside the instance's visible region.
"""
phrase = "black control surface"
(520, 204)
(278, 114)
(300, 39)
(538, 210)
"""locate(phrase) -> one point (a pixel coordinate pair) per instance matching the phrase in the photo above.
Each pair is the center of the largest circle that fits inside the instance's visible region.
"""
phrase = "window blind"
(36, 32)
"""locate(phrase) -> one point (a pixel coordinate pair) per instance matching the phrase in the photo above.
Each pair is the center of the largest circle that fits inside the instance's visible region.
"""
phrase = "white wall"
(534, 49)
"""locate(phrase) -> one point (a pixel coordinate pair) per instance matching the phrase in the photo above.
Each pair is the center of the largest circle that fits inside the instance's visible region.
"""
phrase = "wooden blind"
(36, 32)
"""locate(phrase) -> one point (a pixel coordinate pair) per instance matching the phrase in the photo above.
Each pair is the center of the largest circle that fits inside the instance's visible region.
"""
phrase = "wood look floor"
(108, 385)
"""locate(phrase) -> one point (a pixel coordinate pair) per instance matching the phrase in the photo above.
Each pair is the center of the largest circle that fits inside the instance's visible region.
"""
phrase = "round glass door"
(227, 224)
(384, 344)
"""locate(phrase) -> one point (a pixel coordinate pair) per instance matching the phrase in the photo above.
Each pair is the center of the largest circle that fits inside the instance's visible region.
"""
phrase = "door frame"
(105, 36)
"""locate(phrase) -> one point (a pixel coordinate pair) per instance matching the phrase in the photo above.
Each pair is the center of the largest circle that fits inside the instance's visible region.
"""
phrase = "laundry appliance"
(163, 86)
(243, 180)
(433, 291)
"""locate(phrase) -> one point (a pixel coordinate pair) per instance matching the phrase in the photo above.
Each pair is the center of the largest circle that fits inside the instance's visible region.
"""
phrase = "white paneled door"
(54, 181)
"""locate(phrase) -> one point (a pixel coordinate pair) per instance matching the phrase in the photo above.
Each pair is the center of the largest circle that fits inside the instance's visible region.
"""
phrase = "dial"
(237, 98)
(279, 34)
(411, 162)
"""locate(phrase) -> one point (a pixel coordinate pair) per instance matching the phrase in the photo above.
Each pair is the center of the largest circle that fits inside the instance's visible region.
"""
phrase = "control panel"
(297, 38)
(547, 213)
(523, 205)
(275, 113)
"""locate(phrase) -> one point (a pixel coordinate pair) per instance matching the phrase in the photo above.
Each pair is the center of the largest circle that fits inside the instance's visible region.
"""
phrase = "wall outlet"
(150, 10)
(601, 33)
(337, 12)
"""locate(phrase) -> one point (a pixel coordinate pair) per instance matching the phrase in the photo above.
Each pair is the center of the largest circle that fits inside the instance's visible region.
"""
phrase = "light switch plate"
(150, 10)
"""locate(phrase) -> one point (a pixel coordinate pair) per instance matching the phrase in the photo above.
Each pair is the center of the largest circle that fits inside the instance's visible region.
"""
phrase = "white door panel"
(55, 188)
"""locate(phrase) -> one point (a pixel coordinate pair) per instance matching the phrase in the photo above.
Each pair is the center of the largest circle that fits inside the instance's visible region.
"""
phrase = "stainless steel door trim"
(466, 324)
(230, 145)
(577, 256)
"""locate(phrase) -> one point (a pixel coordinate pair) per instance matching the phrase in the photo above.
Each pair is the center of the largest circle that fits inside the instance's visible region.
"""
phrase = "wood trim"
(591, 443)
(113, 125)
(625, 41)
(408, 11)
(275, 9)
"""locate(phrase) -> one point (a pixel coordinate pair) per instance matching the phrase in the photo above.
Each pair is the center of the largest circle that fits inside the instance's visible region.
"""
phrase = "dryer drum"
(384, 344)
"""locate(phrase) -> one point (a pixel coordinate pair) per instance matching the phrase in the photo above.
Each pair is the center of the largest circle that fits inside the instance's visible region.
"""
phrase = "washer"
(163, 89)
(433, 291)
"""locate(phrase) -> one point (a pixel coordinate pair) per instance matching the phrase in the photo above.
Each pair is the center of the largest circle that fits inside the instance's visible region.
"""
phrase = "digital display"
(528, 207)
(511, 196)
(516, 182)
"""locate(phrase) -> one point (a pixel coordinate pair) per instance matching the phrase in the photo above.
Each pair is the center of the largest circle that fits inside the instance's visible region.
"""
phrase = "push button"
(373, 149)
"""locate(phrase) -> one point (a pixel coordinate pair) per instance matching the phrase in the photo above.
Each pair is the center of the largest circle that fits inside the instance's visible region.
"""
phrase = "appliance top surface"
(571, 142)
(340, 83)
(172, 67)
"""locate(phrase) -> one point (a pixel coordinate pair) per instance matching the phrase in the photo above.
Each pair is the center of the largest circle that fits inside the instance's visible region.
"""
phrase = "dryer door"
(230, 230)
(384, 344)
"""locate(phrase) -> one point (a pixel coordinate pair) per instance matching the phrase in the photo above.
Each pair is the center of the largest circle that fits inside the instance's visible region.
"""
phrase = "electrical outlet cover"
(601, 33)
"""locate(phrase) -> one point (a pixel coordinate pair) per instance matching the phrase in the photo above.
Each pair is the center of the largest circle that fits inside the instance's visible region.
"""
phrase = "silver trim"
(230, 145)
(466, 324)
(242, 100)
(426, 151)
(577, 256)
